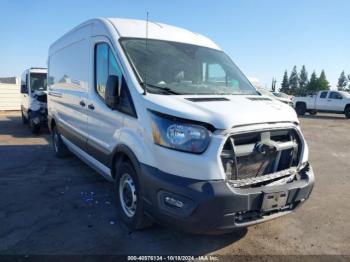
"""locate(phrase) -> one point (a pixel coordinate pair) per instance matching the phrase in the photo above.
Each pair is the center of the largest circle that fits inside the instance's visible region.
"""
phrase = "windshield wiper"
(164, 89)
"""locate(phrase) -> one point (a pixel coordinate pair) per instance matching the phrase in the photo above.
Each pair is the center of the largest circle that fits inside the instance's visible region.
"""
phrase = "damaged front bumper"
(218, 206)
(39, 117)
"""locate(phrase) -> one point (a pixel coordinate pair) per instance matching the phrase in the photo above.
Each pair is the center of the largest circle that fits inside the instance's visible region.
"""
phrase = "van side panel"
(69, 77)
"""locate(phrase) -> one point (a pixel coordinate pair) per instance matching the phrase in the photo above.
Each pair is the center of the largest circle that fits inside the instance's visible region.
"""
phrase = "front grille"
(255, 154)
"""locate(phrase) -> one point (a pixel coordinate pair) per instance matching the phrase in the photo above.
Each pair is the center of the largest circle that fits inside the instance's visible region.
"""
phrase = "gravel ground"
(52, 206)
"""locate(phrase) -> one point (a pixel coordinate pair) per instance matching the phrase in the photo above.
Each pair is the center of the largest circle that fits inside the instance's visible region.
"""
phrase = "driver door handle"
(82, 103)
(91, 107)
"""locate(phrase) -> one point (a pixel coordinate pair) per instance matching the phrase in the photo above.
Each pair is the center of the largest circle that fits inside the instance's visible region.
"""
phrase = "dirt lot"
(51, 206)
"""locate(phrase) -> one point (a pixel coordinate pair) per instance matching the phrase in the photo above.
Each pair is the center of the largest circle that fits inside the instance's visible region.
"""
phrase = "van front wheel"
(129, 197)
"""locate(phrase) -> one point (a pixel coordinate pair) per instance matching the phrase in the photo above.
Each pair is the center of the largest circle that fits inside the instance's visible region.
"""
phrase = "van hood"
(222, 112)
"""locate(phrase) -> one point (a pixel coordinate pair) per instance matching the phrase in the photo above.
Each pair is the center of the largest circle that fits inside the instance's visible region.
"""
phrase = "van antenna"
(146, 65)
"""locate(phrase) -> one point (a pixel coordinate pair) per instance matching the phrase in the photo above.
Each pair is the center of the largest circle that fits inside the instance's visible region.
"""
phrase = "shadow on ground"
(61, 206)
(325, 117)
(13, 126)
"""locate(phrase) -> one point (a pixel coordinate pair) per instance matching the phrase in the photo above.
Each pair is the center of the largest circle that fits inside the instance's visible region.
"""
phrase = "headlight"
(179, 135)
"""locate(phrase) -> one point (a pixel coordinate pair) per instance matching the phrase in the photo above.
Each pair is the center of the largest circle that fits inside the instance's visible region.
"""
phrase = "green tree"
(312, 87)
(323, 83)
(342, 81)
(294, 81)
(303, 80)
(285, 83)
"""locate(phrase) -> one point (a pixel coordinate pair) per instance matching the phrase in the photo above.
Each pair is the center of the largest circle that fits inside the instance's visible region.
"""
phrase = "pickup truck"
(325, 101)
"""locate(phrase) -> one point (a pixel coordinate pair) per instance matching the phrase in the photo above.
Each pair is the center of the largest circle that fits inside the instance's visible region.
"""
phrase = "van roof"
(137, 28)
(38, 70)
(123, 27)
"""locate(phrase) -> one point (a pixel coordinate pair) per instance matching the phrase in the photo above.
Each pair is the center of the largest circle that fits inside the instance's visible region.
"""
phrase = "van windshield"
(38, 82)
(178, 68)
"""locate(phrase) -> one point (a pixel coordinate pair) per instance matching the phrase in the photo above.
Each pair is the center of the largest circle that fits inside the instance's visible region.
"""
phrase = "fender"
(118, 155)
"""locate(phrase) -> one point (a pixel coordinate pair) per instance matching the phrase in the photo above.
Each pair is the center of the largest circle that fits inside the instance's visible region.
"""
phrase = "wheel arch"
(123, 153)
(300, 103)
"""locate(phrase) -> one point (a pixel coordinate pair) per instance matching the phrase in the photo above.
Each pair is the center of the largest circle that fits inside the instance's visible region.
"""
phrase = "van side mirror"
(24, 89)
(112, 91)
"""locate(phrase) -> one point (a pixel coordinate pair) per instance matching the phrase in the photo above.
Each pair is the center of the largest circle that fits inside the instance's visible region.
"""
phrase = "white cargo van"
(34, 97)
(175, 124)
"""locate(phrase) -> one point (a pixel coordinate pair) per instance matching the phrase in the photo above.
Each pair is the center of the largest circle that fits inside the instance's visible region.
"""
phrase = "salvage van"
(34, 98)
(167, 116)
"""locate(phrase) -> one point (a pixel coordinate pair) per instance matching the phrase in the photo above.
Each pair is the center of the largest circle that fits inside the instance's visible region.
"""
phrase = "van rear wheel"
(129, 198)
(59, 147)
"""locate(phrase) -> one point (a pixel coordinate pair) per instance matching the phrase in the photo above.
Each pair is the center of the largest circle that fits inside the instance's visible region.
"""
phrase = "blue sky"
(264, 37)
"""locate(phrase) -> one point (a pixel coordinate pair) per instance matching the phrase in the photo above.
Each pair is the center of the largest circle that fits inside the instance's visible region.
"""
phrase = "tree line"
(299, 84)
(343, 82)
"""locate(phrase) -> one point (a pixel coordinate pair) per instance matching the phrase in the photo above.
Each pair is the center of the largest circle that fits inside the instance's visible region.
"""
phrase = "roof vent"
(207, 99)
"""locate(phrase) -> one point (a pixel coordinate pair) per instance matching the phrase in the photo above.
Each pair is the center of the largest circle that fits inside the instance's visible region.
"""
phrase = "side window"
(216, 73)
(24, 86)
(323, 95)
(114, 67)
(335, 95)
(106, 65)
(101, 69)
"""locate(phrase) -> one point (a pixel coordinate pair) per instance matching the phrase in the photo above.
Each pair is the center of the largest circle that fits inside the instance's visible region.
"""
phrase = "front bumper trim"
(260, 179)
(215, 206)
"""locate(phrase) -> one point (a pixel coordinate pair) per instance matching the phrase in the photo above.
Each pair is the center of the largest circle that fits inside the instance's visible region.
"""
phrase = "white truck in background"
(325, 101)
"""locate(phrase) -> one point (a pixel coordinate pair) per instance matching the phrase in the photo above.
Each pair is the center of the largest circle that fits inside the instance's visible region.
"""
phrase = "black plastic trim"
(210, 206)
(207, 99)
(98, 152)
(75, 138)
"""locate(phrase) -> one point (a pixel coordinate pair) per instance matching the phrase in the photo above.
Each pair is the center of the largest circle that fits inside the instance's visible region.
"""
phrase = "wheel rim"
(55, 141)
(127, 195)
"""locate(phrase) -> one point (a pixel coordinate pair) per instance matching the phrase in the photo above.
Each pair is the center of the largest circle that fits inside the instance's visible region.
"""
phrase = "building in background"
(10, 98)
(10, 80)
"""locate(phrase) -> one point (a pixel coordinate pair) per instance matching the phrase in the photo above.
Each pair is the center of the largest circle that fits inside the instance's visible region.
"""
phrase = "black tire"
(300, 109)
(347, 112)
(128, 197)
(24, 119)
(59, 147)
(34, 128)
(313, 112)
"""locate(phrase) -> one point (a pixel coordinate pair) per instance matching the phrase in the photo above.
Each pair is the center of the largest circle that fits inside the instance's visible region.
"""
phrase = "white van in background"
(34, 97)
(177, 127)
